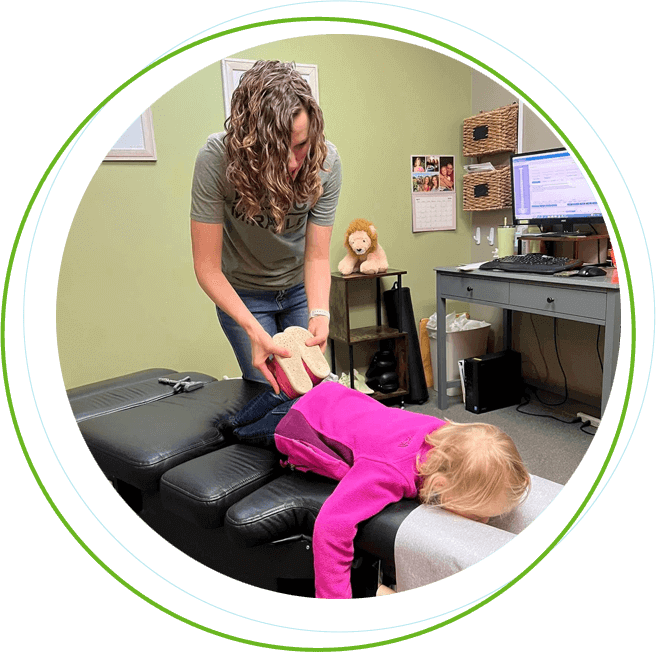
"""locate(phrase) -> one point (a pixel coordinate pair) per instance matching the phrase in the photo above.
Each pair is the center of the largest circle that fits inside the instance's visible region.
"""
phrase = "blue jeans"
(275, 310)
(255, 424)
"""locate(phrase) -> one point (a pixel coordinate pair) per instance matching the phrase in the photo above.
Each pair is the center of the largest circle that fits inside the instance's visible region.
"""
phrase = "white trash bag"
(465, 338)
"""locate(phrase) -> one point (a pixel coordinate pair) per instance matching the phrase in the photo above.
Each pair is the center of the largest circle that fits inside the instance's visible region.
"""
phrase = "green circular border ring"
(267, 23)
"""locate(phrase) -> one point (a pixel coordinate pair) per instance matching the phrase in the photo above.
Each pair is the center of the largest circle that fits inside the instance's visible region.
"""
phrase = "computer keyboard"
(532, 264)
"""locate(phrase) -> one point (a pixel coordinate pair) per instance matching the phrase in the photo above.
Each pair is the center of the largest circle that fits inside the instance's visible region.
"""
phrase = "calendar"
(433, 193)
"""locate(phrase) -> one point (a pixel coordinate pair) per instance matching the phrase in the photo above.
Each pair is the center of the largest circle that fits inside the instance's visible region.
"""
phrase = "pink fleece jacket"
(371, 449)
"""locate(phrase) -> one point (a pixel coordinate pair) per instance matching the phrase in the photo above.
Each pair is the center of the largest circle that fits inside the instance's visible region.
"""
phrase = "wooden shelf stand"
(341, 330)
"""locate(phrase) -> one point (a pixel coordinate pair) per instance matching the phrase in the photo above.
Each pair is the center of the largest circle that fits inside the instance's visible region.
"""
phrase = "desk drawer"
(476, 289)
(559, 301)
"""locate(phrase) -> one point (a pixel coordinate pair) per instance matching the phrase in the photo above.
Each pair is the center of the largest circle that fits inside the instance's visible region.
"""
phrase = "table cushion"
(138, 444)
(114, 394)
(432, 544)
(288, 506)
(284, 507)
(201, 490)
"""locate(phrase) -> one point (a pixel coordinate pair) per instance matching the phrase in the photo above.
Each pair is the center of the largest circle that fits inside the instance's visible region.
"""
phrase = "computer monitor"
(549, 190)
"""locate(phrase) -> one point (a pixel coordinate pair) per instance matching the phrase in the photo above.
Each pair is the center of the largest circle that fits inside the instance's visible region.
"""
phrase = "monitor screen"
(549, 189)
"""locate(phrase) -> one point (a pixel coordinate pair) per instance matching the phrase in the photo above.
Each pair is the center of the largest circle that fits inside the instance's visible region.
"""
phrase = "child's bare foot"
(384, 590)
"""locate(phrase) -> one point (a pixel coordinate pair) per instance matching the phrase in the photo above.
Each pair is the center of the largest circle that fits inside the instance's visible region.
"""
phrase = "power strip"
(586, 418)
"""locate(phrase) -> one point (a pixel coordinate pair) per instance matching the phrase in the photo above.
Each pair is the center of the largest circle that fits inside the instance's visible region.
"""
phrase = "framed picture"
(233, 69)
(137, 143)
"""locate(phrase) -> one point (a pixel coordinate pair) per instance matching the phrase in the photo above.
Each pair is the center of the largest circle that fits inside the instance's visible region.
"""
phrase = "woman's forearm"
(317, 280)
(219, 289)
(317, 266)
(317, 284)
(207, 246)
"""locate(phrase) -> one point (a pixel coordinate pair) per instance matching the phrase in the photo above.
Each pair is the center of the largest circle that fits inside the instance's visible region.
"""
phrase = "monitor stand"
(560, 234)
(563, 230)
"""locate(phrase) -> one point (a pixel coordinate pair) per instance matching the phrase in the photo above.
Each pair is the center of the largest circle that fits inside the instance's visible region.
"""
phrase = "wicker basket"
(486, 191)
(491, 132)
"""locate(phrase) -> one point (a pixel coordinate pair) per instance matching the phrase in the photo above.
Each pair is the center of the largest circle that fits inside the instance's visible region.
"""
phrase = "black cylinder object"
(417, 389)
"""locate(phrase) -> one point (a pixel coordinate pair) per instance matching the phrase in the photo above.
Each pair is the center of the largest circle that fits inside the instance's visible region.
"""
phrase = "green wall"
(128, 298)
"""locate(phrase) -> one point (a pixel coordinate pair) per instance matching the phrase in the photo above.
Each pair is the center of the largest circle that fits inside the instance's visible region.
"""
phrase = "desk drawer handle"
(550, 300)
(470, 288)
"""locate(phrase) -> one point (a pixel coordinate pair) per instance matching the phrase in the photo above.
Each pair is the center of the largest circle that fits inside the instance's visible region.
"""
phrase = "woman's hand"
(319, 328)
(262, 347)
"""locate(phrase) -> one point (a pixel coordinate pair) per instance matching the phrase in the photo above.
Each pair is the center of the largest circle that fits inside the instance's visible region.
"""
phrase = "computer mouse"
(592, 271)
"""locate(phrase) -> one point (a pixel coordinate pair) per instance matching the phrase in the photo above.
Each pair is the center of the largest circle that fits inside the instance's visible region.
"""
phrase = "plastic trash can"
(460, 345)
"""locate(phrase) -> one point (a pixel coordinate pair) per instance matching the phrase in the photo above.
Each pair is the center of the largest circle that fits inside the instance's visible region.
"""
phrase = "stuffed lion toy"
(364, 254)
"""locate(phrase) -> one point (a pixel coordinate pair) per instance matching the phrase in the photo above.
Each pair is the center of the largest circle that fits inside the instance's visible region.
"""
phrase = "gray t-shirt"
(254, 256)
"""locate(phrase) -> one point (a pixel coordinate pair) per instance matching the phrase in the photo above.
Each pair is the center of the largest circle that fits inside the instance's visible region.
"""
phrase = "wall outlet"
(587, 418)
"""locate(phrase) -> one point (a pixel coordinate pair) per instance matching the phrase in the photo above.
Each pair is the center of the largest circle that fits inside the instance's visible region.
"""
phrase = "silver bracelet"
(319, 313)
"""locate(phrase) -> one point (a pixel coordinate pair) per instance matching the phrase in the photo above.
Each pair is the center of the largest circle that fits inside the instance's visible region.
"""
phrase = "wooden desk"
(594, 300)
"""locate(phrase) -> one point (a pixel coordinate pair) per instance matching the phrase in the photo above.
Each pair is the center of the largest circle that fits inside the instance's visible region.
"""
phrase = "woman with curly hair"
(264, 197)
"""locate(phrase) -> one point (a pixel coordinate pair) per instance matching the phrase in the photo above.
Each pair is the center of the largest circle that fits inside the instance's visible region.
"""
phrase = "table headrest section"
(432, 543)
(541, 494)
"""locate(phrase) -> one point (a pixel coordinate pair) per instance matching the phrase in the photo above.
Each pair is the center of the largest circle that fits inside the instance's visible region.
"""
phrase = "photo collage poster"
(433, 193)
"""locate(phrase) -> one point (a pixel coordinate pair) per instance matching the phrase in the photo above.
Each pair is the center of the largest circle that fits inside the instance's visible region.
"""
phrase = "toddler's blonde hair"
(469, 465)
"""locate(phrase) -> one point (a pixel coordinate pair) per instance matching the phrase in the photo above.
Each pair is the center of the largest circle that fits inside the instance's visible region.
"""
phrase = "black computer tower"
(493, 381)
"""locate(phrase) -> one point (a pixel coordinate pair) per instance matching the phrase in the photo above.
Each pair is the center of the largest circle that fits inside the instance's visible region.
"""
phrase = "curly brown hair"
(258, 141)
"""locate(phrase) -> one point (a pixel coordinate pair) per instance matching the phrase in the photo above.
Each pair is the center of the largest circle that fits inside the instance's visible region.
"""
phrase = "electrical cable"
(527, 396)
(597, 347)
(560, 364)
(545, 416)
(566, 397)
(587, 423)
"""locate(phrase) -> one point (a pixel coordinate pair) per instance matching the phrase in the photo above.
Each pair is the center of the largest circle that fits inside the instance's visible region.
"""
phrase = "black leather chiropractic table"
(235, 509)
